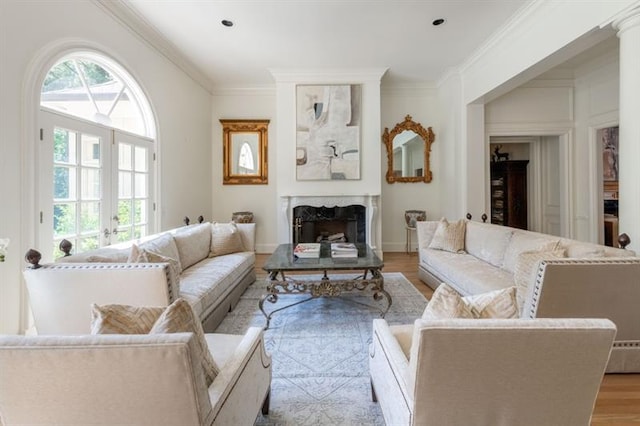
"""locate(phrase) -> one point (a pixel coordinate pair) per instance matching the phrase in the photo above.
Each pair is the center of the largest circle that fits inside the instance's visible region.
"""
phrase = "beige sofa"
(60, 293)
(132, 379)
(593, 281)
(457, 371)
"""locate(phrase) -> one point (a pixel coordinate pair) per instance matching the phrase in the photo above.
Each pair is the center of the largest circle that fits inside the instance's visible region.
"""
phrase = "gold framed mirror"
(408, 150)
(244, 152)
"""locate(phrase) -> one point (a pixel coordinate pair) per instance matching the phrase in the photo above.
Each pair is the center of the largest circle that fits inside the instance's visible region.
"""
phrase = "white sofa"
(61, 293)
(132, 379)
(542, 372)
(593, 281)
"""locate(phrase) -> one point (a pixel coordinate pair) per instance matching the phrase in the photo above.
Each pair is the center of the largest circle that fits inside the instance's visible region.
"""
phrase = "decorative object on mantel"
(244, 152)
(408, 151)
(4, 244)
(242, 217)
(328, 132)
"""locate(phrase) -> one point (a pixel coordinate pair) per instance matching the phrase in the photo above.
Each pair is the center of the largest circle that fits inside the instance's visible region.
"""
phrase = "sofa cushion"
(123, 319)
(449, 236)
(163, 244)
(206, 282)
(527, 267)
(582, 250)
(466, 273)
(487, 242)
(499, 304)
(522, 241)
(103, 254)
(446, 303)
(225, 239)
(180, 318)
(193, 243)
(140, 255)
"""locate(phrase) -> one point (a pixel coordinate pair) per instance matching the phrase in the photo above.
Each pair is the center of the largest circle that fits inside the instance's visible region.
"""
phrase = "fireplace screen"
(329, 224)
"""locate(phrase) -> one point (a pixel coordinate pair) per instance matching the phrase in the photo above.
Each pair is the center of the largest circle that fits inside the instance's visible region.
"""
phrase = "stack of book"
(307, 250)
(344, 250)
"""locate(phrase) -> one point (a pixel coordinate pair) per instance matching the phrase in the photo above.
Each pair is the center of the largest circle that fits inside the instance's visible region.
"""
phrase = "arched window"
(246, 165)
(97, 174)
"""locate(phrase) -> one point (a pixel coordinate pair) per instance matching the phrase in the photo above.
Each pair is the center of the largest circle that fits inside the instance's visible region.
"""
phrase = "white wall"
(259, 199)
(182, 108)
(422, 105)
(575, 107)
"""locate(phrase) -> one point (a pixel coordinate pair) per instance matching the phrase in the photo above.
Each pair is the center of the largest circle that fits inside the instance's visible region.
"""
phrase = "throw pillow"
(494, 304)
(180, 318)
(225, 239)
(140, 255)
(446, 303)
(449, 236)
(123, 319)
(526, 267)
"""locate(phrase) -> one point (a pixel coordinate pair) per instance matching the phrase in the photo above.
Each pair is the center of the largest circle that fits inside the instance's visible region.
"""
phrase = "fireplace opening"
(329, 224)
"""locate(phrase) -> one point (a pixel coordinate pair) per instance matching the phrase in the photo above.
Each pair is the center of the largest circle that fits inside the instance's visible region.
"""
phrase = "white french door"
(95, 184)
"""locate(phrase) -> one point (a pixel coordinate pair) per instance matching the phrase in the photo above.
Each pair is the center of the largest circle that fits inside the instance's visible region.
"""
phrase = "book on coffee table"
(307, 250)
(344, 250)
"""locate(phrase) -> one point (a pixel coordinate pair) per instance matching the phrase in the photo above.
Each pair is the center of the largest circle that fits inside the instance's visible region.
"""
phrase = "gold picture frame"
(244, 152)
(408, 131)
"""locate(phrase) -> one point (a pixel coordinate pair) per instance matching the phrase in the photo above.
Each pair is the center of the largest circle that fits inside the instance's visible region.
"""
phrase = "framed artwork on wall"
(608, 138)
(328, 132)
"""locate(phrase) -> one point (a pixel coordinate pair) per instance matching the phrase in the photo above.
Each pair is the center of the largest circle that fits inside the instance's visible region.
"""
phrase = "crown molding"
(328, 75)
(503, 31)
(141, 28)
(244, 91)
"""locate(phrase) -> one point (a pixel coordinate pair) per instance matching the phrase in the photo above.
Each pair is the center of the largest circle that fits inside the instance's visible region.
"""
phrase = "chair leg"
(265, 404)
(374, 397)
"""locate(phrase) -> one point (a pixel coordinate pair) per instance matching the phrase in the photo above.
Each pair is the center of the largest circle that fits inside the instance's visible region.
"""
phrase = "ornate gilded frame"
(252, 132)
(427, 136)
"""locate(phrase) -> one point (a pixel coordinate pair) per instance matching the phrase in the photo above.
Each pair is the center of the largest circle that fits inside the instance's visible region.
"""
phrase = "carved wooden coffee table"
(283, 261)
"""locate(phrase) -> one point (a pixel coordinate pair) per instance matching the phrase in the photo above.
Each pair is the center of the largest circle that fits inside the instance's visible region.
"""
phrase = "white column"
(629, 137)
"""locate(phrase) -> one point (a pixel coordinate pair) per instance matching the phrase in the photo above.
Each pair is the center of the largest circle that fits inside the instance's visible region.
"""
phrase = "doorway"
(545, 178)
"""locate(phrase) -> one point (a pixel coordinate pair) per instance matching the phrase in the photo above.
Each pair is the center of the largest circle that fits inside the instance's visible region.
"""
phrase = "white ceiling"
(324, 34)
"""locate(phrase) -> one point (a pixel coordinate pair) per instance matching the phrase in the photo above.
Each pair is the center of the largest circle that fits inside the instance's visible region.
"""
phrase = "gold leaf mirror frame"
(244, 152)
(427, 136)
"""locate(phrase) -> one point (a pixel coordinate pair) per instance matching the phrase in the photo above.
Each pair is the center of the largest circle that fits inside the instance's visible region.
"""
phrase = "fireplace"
(330, 224)
(365, 224)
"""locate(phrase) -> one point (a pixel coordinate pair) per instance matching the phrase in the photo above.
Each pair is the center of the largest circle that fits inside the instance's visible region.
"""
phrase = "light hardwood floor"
(618, 401)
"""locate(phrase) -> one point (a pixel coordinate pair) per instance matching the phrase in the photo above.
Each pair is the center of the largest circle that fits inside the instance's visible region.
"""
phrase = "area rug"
(320, 351)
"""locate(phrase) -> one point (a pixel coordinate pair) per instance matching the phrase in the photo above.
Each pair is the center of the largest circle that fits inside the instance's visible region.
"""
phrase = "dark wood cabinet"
(509, 193)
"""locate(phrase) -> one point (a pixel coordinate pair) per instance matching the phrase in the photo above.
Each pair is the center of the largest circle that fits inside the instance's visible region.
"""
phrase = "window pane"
(90, 217)
(90, 150)
(141, 185)
(141, 159)
(90, 184)
(124, 185)
(64, 183)
(124, 156)
(140, 231)
(124, 212)
(124, 235)
(141, 211)
(89, 243)
(64, 146)
(64, 219)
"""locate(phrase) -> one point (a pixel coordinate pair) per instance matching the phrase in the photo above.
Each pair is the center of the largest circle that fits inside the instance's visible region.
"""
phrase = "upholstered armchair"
(152, 379)
(489, 372)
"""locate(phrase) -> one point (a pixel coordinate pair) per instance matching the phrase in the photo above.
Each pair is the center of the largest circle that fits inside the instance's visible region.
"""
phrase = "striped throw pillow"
(123, 319)
(449, 236)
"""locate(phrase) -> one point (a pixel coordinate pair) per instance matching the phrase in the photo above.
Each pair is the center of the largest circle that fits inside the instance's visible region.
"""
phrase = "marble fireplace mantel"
(370, 202)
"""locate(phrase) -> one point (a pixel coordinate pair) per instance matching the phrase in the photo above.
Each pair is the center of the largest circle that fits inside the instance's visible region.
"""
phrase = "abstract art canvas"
(328, 132)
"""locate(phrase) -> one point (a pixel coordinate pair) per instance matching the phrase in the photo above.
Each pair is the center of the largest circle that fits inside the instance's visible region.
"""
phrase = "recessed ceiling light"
(438, 21)
(227, 23)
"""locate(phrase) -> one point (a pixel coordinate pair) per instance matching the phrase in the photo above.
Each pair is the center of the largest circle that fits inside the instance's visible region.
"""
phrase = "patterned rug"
(320, 351)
